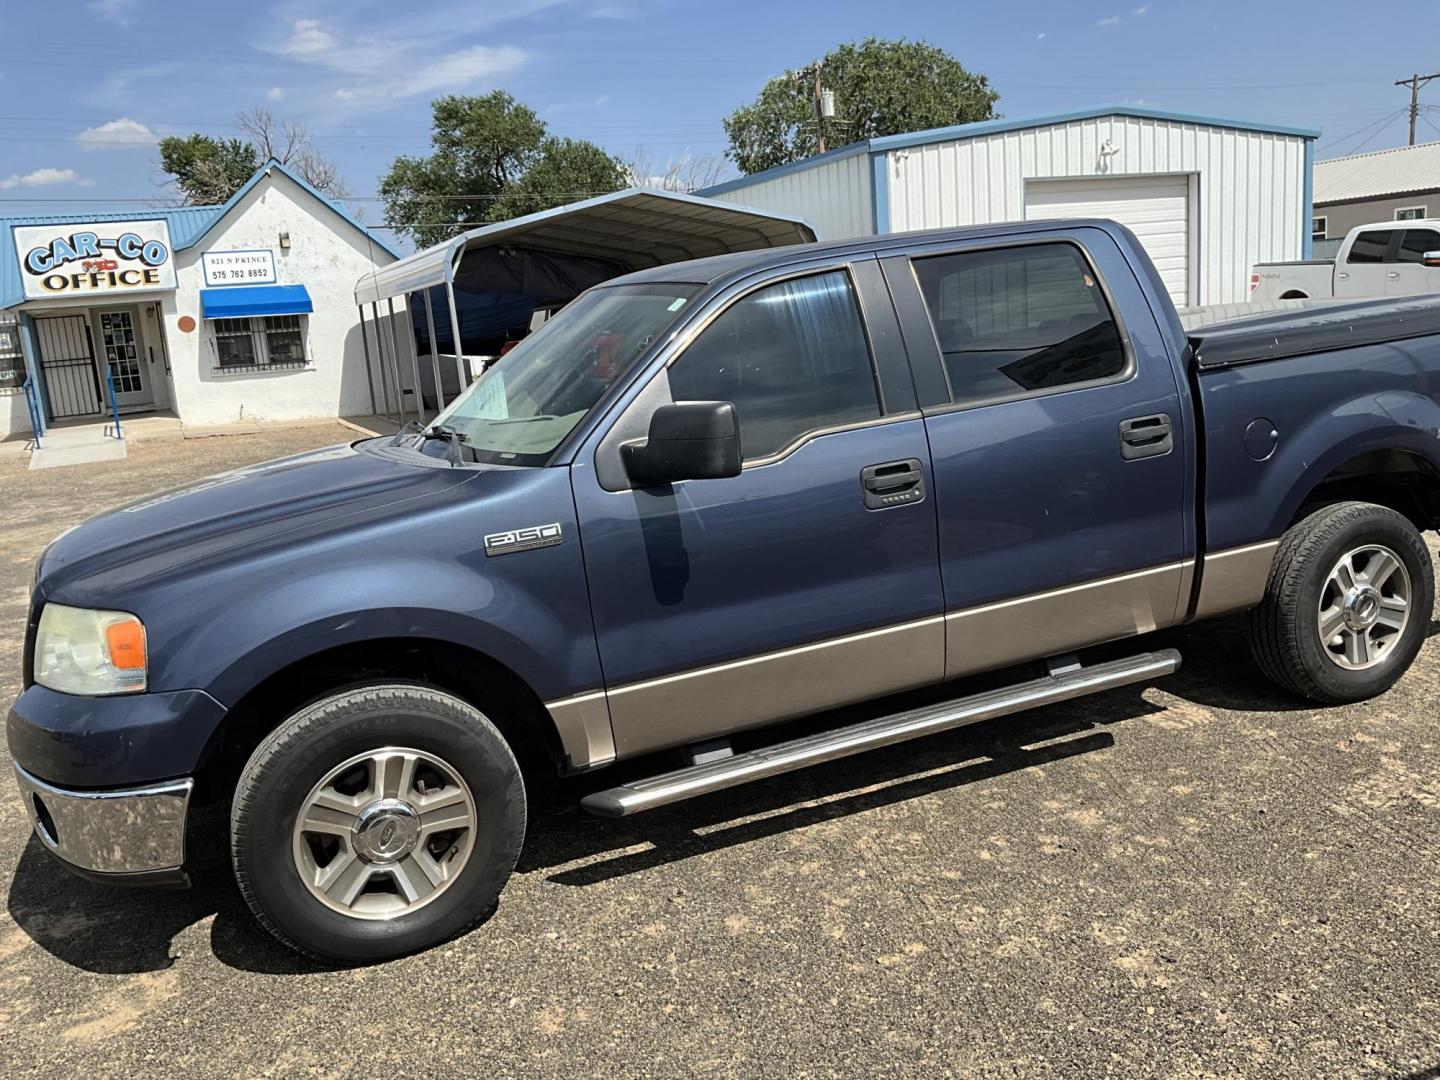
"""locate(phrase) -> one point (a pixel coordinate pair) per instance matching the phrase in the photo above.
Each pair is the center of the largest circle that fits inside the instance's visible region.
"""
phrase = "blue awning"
(240, 301)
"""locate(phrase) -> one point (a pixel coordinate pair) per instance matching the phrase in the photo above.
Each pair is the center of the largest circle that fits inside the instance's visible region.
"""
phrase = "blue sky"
(85, 88)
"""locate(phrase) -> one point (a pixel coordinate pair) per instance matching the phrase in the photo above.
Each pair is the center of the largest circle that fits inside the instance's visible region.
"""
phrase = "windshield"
(518, 412)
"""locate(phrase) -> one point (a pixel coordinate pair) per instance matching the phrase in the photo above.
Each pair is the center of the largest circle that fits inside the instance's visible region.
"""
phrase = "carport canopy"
(556, 254)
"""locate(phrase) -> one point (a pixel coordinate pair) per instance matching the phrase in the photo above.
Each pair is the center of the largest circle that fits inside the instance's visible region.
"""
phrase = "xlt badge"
(526, 539)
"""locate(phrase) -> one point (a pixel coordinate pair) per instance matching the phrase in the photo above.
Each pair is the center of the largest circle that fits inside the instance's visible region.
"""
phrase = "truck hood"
(228, 511)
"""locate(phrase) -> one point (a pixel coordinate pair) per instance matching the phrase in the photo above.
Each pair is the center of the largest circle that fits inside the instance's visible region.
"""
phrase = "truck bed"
(1223, 336)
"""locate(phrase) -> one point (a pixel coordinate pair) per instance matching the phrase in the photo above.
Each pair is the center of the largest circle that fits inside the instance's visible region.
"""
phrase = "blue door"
(1059, 437)
(809, 580)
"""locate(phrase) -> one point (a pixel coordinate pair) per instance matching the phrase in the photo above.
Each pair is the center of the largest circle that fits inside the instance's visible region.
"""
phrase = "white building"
(221, 314)
(1207, 198)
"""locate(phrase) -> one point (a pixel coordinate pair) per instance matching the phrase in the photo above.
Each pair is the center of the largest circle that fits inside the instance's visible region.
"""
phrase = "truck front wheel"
(1347, 604)
(377, 822)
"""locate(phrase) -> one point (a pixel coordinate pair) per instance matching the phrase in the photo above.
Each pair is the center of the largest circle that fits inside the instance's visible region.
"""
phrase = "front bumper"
(129, 836)
(111, 742)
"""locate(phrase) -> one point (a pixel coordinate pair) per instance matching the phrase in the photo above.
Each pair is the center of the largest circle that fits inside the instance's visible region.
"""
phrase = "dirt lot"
(1198, 878)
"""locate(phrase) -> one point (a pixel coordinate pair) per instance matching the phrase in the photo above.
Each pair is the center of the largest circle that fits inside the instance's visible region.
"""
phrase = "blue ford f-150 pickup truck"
(703, 499)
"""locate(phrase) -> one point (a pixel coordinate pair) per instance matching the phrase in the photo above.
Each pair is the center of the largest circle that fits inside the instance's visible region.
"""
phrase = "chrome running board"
(702, 779)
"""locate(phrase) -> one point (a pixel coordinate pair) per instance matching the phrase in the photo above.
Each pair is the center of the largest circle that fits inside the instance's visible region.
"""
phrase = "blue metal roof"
(992, 127)
(188, 226)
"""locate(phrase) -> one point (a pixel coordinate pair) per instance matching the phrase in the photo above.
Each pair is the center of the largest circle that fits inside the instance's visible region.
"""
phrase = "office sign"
(94, 259)
(239, 268)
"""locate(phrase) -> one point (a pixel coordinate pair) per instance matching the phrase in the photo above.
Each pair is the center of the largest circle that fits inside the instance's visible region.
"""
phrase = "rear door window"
(1416, 243)
(1370, 247)
(1019, 320)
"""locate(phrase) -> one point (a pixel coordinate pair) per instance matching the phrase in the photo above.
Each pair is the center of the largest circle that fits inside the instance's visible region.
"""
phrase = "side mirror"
(691, 440)
(1430, 258)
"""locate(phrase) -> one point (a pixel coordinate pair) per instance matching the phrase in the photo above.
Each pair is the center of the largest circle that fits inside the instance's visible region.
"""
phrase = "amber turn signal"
(126, 641)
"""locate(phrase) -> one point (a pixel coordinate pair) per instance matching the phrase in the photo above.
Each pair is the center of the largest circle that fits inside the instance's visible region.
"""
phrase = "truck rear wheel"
(377, 822)
(1347, 604)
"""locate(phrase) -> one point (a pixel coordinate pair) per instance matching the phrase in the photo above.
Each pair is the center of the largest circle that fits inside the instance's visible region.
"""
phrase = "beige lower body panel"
(1234, 580)
(583, 724)
(724, 698)
(1043, 624)
(718, 700)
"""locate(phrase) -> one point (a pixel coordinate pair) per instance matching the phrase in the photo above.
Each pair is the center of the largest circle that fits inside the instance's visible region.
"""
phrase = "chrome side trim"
(1042, 624)
(757, 690)
(583, 723)
(128, 831)
(871, 734)
(1234, 580)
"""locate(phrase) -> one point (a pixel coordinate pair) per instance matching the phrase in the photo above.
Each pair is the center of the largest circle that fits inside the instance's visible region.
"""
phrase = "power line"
(1377, 124)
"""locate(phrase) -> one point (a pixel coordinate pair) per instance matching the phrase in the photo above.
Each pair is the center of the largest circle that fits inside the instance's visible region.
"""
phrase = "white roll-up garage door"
(1155, 208)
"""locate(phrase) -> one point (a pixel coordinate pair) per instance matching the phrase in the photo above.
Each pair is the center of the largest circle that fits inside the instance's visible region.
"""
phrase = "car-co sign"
(94, 259)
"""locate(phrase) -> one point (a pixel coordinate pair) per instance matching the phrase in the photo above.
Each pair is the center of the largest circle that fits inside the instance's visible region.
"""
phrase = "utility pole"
(1414, 83)
(820, 112)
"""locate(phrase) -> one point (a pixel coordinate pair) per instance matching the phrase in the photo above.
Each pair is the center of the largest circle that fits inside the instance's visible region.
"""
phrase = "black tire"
(1284, 628)
(292, 760)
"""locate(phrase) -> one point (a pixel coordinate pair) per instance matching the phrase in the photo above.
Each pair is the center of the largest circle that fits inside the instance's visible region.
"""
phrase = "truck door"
(1369, 266)
(1060, 443)
(809, 580)
(1411, 276)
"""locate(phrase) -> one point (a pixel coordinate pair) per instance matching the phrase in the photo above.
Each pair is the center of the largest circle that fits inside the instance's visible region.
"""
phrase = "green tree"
(881, 88)
(491, 159)
(205, 169)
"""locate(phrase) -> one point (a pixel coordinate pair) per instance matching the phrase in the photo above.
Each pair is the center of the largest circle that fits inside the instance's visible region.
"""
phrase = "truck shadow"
(109, 930)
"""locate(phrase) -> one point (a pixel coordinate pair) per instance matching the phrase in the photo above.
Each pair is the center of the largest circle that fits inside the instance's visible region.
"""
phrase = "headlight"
(78, 651)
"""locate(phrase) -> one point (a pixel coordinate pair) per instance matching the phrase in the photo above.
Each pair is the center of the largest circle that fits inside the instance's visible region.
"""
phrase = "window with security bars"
(12, 363)
(260, 343)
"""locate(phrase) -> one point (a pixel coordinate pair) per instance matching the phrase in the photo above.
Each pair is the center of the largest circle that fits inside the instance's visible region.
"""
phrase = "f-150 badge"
(526, 539)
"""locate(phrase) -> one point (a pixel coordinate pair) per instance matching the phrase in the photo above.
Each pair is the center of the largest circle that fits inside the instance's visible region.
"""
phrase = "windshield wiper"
(456, 439)
(524, 419)
(410, 427)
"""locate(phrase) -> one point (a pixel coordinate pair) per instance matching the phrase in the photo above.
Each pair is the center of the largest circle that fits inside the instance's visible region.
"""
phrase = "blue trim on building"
(992, 127)
(1307, 243)
(880, 192)
(784, 170)
(242, 301)
(31, 354)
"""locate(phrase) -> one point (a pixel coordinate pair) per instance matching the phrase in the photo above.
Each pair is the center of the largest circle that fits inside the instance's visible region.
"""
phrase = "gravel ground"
(1197, 878)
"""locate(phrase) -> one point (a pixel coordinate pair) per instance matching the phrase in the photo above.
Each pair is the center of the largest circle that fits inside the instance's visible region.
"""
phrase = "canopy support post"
(434, 351)
(380, 351)
(461, 365)
(395, 352)
(365, 342)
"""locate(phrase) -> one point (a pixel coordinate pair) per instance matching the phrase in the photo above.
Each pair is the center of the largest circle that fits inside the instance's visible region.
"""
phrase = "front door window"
(117, 335)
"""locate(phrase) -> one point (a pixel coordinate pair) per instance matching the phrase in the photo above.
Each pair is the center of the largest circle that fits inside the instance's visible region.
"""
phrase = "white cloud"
(276, 93)
(1040, 36)
(1142, 9)
(1113, 20)
(307, 39)
(116, 11)
(396, 60)
(477, 65)
(122, 134)
(41, 178)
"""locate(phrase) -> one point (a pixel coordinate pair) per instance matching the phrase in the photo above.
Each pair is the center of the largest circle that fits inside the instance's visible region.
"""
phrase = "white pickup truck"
(1399, 258)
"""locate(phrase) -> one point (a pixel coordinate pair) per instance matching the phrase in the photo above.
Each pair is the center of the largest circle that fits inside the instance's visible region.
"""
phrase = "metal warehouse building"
(1207, 197)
